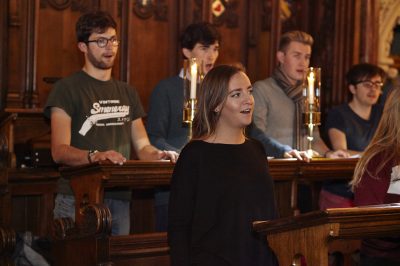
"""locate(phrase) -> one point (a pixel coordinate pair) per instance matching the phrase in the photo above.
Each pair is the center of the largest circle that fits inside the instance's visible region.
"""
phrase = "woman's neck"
(226, 138)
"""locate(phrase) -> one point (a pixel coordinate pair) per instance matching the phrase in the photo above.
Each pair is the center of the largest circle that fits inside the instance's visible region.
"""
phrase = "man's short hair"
(203, 32)
(97, 21)
(362, 72)
(294, 36)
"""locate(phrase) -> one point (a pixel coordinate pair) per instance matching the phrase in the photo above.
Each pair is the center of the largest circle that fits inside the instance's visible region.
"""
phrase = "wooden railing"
(89, 183)
(310, 235)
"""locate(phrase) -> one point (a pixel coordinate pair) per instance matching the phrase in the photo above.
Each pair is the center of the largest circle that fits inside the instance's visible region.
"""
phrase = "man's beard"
(98, 63)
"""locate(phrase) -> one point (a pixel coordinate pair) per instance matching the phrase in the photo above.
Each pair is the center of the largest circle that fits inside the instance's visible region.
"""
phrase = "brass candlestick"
(190, 69)
(311, 110)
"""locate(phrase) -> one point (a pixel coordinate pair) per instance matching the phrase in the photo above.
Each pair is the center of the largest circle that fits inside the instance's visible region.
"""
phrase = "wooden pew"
(7, 235)
(7, 245)
(311, 234)
(90, 181)
(29, 202)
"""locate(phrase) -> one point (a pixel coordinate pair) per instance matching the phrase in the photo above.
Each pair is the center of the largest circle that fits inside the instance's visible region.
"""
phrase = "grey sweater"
(273, 117)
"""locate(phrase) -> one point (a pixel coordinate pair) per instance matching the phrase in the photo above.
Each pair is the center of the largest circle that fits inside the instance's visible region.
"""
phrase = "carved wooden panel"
(57, 54)
(232, 24)
(20, 64)
(152, 50)
(262, 35)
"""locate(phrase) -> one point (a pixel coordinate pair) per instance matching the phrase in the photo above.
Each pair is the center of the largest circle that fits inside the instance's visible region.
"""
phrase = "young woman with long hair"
(376, 180)
(221, 182)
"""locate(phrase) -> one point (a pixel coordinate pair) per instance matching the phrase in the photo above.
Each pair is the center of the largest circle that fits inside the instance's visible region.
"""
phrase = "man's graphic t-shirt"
(101, 111)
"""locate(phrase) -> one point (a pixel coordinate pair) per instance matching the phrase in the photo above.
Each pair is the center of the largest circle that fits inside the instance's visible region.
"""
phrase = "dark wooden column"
(4, 52)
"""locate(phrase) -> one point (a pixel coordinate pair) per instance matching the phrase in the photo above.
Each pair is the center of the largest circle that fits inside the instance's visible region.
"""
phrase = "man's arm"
(320, 146)
(271, 146)
(338, 141)
(142, 146)
(64, 153)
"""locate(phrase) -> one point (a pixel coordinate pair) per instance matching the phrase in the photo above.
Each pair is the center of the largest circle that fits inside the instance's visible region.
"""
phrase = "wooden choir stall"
(87, 241)
(93, 220)
(310, 235)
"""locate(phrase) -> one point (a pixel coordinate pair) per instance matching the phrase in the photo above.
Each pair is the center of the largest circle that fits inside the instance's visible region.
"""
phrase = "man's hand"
(168, 155)
(111, 155)
(299, 155)
(337, 154)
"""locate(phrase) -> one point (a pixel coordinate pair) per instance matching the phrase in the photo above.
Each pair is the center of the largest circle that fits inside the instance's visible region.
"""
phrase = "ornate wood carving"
(198, 11)
(7, 245)
(229, 16)
(323, 49)
(310, 234)
(96, 221)
(75, 5)
(7, 156)
(145, 9)
(388, 19)
(63, 227)
(266, 12)
(290, 12)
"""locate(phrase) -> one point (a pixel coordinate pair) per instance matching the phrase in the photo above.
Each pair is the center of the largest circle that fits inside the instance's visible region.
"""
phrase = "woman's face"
(236, 113)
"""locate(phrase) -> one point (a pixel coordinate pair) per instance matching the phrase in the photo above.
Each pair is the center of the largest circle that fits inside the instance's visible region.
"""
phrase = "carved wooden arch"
(389, 17)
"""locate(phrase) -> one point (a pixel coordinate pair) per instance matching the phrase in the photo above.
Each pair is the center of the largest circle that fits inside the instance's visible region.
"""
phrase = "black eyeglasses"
(370, 84)
(103, 42)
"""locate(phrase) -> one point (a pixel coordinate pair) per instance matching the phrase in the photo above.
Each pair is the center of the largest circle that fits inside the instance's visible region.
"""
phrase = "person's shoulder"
(194, 145)
(192, 149)
(69, 80)
(123, 84)
(339, 109)
(377, 108)
(169, 84)
(256, 144)
(264, 82)
(265, 86)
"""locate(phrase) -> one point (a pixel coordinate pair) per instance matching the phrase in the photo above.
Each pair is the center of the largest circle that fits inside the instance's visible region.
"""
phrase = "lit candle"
(193, 80)
(311, 79)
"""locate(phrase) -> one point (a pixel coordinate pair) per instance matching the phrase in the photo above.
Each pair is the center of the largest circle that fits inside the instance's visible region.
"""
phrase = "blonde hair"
(294, 36)
(386, 140)
(213, 93)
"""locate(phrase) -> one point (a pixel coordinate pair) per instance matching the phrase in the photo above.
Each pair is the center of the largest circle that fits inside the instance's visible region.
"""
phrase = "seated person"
(165, 118)
(351, 126)
(376, 181)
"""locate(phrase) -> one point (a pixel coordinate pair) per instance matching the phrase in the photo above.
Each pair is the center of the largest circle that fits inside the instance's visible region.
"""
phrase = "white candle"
(193, 80)
(311, 79)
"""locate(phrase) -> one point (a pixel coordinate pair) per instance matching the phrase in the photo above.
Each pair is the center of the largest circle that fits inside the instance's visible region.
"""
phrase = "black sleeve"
(181, 207)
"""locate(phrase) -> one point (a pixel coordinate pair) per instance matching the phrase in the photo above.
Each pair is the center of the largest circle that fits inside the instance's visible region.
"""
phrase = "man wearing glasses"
(351, 126)
(95, 117)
